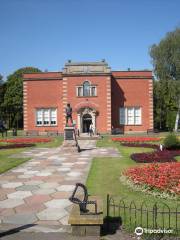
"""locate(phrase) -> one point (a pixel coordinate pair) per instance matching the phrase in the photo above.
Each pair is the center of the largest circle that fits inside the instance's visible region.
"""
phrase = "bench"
(3, 130)
(52, 133)
(87, 224)
(32, 133)
(116, 131)
(152, 131)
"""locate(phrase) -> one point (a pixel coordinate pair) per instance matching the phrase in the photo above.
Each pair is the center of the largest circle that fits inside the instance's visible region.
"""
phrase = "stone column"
(94, 121)
(25, 109)
(64, 94)
(151, 120)
(79, 121)
(108, 89)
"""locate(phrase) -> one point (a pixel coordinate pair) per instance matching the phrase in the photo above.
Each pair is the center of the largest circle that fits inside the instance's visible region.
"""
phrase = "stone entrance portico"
(85, 112)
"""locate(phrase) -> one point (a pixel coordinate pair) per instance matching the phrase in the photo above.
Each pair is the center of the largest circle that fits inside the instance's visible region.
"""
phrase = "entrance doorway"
(87, 120)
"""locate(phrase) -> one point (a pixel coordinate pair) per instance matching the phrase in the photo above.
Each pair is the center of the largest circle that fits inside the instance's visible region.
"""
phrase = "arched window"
(86, 88)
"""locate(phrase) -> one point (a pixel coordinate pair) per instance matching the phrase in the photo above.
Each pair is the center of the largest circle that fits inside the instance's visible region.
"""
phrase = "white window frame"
(46, 110)
(50, 110)
(95, 91)
(139, 115)
(55, 110)
(38, 110)
(124, 116)
(82, 90)
(77, 91)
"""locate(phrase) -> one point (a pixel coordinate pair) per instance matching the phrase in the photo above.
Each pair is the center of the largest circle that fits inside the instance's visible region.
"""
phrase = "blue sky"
(46, 33)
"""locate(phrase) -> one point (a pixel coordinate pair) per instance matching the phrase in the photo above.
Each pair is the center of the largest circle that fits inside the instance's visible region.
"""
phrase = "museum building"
(121, 100)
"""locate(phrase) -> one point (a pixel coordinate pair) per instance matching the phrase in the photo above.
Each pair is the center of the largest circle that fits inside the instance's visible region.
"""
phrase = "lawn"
(57, 141)
(104, 177)
(98, 182)
(6, 162)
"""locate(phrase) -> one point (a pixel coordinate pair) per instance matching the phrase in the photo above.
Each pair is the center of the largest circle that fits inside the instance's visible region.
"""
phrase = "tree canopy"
(2, 92)
(166, 62)
(13, 97)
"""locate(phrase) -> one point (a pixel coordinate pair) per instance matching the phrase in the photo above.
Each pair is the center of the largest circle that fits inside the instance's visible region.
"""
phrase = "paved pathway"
(37, 192)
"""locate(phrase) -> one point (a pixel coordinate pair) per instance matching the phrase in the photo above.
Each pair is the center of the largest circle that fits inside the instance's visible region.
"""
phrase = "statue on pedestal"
(70, 141)
(69, 114)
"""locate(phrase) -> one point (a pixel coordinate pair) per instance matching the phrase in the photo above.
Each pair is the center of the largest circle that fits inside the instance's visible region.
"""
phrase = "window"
(46, 117)
(130, 116)
(93, 91)
(39, 117)
(53, 116)
(80, 91)
(86, 90)
(122, 116)
(137, 116)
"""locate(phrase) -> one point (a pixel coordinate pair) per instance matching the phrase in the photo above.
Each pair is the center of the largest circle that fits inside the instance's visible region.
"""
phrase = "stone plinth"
(87, 225)
(70, 142)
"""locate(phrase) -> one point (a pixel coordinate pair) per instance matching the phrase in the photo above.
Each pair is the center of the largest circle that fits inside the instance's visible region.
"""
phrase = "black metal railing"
(158, 216)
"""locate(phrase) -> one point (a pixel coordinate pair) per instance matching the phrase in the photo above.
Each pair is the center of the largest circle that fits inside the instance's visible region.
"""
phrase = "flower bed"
(166, 155)
(164, 177)
(136, 139)
(144, 145)
(27, 140)
(19, 145)
(157, 156)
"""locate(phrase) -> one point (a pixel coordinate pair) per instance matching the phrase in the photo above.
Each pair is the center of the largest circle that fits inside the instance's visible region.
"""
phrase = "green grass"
(177, 158)
(57, 141)
(20, 133)
(7, 163)
(105, 172)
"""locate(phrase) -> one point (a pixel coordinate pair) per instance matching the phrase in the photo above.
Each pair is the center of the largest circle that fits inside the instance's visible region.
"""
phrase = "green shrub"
(171, 142)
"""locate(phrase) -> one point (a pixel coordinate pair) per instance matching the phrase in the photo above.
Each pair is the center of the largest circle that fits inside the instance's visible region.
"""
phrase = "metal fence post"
(155, 216)
(108, 205)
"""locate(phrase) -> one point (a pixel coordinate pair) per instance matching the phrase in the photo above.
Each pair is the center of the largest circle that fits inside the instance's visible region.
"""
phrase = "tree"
(13, 97)
(1, 79)
(166, 62)
(1, 88)
(2, 92)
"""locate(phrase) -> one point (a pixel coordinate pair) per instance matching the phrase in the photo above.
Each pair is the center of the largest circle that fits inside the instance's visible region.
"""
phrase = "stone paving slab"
(45, 236)
(67, 236)
(37, 192)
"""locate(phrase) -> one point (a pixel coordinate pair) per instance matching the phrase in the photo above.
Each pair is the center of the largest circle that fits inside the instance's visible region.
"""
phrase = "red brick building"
(108, 99)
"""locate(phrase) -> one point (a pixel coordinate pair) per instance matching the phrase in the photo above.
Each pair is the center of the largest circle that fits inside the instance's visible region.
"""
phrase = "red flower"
(164, 176)
(157, 156)
(27, 140)
(136, 139)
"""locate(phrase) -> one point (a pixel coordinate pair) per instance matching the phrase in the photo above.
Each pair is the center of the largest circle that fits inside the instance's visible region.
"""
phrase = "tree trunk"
(177, 118)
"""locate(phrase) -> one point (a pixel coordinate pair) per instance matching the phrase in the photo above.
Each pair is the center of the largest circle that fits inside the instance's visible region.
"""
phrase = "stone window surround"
(80, 115)
(50, 116)
(82, 86)
(125, 123)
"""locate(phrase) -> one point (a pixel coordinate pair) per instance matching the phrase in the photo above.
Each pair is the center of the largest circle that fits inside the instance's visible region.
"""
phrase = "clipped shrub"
(143, 145)
(18, 145)
(171, 142)
(157, 156)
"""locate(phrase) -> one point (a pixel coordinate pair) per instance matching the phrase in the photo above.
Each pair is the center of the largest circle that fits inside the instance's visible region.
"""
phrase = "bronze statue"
(69, 114)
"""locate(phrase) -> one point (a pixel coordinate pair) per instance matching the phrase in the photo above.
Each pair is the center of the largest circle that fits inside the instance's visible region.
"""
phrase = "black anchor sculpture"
(83, 203)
